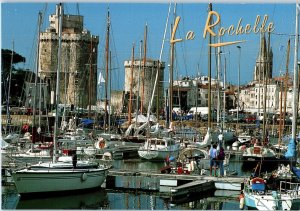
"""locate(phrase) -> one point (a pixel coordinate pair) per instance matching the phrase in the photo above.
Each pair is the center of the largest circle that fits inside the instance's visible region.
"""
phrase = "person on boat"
(220, 159)
(213, 159)
(272, 181)
(167, 160)
(74, 160)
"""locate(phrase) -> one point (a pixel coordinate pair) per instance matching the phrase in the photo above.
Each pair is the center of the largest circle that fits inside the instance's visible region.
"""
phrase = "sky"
(19, 25)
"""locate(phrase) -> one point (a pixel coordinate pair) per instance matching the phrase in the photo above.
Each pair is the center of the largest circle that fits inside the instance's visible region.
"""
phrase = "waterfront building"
(193, 92)
(78, 76)
(252, 96)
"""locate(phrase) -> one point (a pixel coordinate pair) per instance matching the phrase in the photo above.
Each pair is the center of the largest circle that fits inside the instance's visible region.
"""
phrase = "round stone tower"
(145, 82)
(78, 75)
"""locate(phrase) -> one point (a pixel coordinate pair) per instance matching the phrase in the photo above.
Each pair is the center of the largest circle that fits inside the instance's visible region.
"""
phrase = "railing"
(289, 187)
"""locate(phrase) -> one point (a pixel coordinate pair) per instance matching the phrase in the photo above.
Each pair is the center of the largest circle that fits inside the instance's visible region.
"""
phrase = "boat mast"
(8, 120)
(158, 69)
(218, 85)
(144, 68)
(172, 52)
(296, 80)
(266, 78)
(138, 86)
(106, 68)
(209, 75)
(40, 86)
(109, 108)
(286, 81)
(224, 95)
(259, 91)
(90, 79)
(60, 21)
(171, 83)
(34, 130)
(130, 93)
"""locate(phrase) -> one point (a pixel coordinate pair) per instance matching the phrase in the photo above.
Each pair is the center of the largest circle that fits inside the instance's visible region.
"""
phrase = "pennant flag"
(101, 79)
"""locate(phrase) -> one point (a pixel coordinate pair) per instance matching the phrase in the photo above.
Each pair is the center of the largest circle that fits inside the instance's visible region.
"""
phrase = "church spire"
(264, 61)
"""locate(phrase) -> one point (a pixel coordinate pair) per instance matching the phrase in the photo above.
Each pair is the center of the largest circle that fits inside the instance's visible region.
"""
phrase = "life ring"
(25, 128)
(83, 177)
(257, 180)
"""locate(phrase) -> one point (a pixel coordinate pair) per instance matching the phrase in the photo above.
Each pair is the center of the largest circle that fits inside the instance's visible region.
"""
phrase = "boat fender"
(242, 201)
(83, 177)
(192, 166)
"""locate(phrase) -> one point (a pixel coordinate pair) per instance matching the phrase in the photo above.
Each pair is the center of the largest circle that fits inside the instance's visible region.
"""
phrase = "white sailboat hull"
(159, 149)
(157, 154)
(47, 180)
(258, 153)
(269, 202)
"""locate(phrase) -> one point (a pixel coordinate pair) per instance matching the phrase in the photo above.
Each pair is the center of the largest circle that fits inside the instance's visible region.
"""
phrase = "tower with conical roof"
(264, 63)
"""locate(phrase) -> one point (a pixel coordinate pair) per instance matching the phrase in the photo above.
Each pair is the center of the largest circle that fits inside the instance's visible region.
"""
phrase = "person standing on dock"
(74, 160)
(221, 157)
(213, 158)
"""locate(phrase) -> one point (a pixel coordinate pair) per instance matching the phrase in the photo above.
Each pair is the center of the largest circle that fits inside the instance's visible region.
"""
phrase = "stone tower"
(149, 80)
(78, 75)
(264, 62)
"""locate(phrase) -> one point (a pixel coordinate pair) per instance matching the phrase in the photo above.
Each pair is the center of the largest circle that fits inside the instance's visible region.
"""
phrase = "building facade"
(193, 92)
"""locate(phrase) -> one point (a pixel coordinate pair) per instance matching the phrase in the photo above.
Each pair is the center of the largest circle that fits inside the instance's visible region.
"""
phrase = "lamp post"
(238, 95)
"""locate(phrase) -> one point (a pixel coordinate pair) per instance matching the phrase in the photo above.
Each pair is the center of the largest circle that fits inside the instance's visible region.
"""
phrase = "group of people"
(216, 160)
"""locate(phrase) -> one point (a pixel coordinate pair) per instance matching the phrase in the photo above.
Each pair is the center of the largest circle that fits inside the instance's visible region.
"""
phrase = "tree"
(17, 77)
(6, 60)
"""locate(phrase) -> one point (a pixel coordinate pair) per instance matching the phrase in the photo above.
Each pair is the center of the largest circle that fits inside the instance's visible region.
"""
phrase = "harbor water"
(129, 199)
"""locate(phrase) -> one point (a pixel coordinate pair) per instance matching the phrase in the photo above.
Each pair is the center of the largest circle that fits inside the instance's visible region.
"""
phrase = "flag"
(100, 79)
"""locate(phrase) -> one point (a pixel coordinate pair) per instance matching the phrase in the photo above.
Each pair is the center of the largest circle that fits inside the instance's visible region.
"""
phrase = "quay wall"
(19, 120)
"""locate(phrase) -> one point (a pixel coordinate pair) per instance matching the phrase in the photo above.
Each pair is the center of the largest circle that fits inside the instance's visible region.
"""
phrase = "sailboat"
(211, 135)
(260, 151)
(287, 195)
(63, 173)
(162, 147)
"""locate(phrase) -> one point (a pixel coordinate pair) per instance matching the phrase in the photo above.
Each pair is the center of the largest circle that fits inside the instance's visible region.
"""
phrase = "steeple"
(264, 62)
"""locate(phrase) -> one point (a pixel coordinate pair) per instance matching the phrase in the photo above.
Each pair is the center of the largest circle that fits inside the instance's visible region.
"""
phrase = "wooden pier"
(170, 184)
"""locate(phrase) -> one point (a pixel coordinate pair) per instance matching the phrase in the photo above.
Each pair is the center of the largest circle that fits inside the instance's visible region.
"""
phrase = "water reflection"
(147, 201)
(138, 165)
(90, 200)
(115, 200)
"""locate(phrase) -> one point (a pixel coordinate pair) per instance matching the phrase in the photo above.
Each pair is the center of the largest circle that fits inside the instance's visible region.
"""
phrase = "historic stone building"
(142, 82)
(78, 74)
(264, 63)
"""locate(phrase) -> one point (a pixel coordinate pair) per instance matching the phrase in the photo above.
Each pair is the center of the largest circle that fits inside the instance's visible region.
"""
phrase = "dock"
(170, 184)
